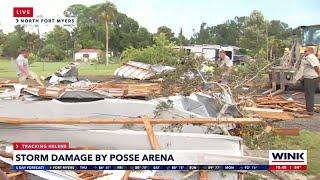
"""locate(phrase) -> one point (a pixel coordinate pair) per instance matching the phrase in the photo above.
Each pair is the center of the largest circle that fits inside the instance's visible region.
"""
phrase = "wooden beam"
(203, 175)
(15, 174)
(97, 176)
(286, 131)
(90, 120)
(275, 115)
(126, 175)
(254, 109)
(152, 137)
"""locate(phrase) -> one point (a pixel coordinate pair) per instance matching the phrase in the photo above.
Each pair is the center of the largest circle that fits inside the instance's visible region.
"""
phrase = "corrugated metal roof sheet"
(138, 70)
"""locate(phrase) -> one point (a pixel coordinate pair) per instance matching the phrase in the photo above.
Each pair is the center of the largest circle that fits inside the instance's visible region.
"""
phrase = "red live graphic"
(40, 146)
(23, 12)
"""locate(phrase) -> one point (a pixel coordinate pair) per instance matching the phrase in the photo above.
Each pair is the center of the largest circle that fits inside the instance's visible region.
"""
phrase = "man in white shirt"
(225, 61)
(310, 68)
(23, 71)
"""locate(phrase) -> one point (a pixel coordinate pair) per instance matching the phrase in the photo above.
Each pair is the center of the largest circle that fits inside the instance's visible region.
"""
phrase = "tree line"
(252, 32)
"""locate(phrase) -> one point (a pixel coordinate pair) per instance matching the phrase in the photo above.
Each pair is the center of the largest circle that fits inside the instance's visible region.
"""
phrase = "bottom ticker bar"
(144, 167)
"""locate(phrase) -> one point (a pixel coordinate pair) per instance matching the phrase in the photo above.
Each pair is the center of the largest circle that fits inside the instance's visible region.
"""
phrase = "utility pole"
(267, 40)
(107, 43)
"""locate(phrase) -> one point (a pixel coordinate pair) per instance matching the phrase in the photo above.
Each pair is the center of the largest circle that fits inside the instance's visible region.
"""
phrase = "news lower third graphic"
(59, 156)
(27, 16)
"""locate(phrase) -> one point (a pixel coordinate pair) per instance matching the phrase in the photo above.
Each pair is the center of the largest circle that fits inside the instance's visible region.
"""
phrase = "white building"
(87, 55)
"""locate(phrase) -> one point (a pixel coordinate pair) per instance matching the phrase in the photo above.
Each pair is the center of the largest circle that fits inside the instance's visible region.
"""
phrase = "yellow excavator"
(283, 74)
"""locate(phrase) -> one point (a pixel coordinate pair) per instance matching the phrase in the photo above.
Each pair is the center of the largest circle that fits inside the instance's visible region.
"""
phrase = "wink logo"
(287, 157)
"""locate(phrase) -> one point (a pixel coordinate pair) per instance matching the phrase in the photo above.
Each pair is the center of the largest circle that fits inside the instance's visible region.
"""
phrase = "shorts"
(23, 78)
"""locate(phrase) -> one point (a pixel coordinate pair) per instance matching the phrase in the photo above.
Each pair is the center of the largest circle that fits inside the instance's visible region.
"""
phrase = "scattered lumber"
(290, 107)
(52, 92)
(114, 88)
(222, 120)
(129, 89)
(276, 114)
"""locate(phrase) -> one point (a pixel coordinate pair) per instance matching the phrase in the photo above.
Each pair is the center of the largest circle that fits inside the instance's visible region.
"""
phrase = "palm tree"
(107, 11)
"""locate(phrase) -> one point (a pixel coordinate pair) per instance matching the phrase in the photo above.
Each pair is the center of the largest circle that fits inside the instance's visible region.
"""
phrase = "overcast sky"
(188, 14)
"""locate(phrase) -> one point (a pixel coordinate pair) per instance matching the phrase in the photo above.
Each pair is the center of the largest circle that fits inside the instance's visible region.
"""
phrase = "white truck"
(210, 52)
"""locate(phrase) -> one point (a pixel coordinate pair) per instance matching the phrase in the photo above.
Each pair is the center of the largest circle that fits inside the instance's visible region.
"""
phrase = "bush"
(33, 58)
(52, 53)
(161, 52)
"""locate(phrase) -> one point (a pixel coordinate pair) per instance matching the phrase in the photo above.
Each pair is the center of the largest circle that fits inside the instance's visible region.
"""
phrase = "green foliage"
(124, 32)
(33, 58)
(166, 31)
(1, 49)
(255, 33)
(181, 39)
(52, 53)
(161, 52)
(59, 37)
(19, 39)
(239, 73)
(185, 79)
(163, 106)
(248, 32)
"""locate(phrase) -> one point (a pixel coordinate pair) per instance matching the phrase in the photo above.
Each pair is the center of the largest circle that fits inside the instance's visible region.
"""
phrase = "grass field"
(307, 140)
(7, 68)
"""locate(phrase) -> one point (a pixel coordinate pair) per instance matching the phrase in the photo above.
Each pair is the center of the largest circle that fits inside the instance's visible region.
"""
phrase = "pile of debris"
(122, 111)
(141, 71)
(86, 89)
(296, 108)
(276, 107)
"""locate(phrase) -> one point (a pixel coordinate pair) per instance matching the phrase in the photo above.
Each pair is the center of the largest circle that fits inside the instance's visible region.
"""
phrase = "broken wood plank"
(10, 120)
(262, 109)
(158, 178)
(203, 175)
(268, 129)
(286, 131)
(301, 115)
(275, 115)
(15, 174)
(152, 137)
(97, 176)
(126, 175)
(279, 102)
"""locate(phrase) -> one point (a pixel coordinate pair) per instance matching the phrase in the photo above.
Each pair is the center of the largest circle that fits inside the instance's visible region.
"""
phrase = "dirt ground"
(312, 124)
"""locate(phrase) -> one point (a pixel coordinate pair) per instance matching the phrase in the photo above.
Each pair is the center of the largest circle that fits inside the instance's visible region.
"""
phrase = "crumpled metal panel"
(141, 71)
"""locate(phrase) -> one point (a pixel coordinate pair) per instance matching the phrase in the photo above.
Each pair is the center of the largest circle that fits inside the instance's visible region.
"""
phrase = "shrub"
(52, 53)
(161, 52)
(33, 58)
